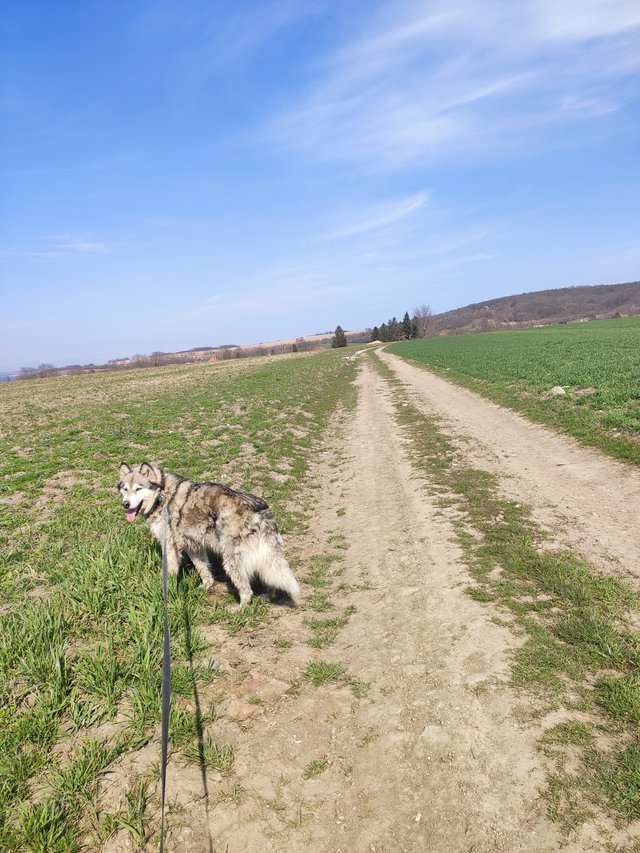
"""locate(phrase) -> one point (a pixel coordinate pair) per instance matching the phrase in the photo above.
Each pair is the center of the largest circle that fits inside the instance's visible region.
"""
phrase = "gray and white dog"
(206, 517)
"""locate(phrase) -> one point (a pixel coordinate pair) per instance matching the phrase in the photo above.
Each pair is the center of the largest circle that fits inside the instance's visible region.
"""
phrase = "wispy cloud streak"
(202, 42)
(380, 217)
(58, 250)
(470, 78)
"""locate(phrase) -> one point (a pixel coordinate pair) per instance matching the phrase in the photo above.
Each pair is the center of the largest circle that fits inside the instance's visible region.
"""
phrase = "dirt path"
(438, 754)
(586, 501)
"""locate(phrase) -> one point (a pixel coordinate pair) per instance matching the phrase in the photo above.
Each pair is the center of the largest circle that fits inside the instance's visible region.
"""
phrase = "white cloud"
(198, 41)
(578, 20)
(62, 248)
(247, 30)
(82, 247)
(393, 42)
(282, 290)
(464, 79)
(381, 216)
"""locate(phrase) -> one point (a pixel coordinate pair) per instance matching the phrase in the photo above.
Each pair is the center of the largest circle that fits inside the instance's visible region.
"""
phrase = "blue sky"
(181, 174)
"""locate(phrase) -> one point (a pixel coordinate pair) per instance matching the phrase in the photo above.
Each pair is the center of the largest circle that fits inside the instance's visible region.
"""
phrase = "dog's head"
(140, 488)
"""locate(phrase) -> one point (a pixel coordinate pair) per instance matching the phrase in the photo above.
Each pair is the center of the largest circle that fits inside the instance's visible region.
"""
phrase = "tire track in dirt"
(586, 501)
(452, 769)
(440, 754)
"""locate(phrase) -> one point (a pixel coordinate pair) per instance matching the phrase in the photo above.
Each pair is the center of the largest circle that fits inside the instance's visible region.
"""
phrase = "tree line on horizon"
(198, 355)
(420, 325)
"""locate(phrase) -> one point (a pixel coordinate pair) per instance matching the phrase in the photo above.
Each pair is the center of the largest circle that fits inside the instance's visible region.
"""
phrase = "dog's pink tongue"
(131, 515)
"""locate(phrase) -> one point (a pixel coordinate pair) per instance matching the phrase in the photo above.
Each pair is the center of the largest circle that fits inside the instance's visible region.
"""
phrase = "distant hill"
(564, 305)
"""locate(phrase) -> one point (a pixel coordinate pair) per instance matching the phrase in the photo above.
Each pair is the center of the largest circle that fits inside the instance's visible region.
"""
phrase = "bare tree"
(27, 373)
(46, 370)
(424, 321)
(42, 371)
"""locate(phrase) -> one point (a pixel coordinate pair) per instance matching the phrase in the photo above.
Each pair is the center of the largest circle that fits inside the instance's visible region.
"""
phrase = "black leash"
(166, 673)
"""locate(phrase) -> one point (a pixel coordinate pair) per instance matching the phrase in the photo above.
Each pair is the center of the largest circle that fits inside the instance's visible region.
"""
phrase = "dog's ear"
(151, 472)
(124, 469)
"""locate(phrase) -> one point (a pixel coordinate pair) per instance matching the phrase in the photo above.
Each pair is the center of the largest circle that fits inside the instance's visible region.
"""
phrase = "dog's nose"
(125, 504)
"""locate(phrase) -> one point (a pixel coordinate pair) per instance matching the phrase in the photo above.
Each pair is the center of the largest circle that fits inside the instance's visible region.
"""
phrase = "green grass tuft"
(211, 755)
(315, 768)
(319, 673)
(619, 697)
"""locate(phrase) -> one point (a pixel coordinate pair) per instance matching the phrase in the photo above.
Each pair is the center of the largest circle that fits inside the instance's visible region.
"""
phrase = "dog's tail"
(272, 568)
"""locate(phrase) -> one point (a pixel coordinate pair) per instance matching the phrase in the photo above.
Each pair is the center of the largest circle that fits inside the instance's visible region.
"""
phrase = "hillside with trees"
(543, 307)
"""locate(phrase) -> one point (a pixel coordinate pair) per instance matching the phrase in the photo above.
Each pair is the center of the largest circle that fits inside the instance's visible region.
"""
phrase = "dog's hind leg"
(237, 576)
(202, 565)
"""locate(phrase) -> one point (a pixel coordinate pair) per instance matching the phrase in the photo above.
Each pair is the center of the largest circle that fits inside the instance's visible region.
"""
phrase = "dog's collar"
(159, 501)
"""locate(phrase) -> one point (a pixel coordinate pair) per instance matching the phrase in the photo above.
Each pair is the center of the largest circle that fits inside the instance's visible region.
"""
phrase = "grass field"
(597, 364)
(80, 596)
(80, 614)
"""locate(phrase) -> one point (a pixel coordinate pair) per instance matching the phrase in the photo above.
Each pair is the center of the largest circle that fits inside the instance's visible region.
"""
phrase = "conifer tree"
(339, 338)
(395, 330)
(407, 327)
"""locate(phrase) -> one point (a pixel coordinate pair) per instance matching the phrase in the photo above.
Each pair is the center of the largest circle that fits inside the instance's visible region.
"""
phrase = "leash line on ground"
(166, 675)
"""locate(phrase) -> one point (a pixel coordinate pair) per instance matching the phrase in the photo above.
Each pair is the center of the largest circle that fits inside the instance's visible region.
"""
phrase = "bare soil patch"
(55, 489)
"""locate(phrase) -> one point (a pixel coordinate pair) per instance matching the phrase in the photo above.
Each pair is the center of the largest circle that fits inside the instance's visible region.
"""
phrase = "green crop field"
(80, 596)
(597, 364)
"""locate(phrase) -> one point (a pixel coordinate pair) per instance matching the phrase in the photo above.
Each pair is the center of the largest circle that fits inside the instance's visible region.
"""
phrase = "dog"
(204, 517)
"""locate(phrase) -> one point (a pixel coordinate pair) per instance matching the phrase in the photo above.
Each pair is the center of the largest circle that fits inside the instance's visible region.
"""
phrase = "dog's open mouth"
(132, 513)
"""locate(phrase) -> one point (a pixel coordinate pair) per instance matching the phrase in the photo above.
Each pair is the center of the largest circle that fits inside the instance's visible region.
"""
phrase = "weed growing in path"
(315, 768)
(325, 631)
(319, 673)
(210, 754)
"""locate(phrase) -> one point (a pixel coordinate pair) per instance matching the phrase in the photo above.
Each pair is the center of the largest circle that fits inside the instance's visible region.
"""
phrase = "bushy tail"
(272, 568)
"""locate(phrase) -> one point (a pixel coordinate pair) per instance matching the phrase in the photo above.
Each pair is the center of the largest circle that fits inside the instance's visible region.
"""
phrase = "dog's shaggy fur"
(206, 517)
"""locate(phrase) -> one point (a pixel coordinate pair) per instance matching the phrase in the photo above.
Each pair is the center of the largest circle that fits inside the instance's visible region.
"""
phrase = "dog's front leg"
(202, 565)
(173, 558)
